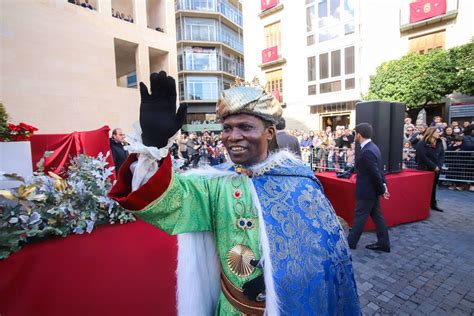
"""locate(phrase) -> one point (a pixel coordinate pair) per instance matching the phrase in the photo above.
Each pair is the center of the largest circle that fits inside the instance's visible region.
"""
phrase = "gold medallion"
(238, 260)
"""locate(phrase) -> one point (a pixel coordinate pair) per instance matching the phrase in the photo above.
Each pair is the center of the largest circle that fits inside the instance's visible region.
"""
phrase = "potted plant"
(15, 150)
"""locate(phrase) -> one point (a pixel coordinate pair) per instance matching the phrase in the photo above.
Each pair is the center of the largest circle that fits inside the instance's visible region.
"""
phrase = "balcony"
(422, 13)
(224, 7)
(271, 57)
(210, 63)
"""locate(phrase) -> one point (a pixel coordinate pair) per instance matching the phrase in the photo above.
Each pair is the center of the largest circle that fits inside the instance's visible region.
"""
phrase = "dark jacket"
(468, 143)
(429, 157)
(370, 177)
(289, 142)
(118, 154)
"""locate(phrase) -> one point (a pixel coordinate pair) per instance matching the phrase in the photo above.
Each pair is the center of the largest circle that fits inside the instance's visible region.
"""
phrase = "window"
(323, 66)
(231, 38)
(273, 36)
(330, 86)
(424, 43)
(200, 58)
(349, 60)
(330, 68)
(310, 18)
(156, 18)
(310, 40)
(202, 88)
(125, 63)
(312, 89)
(350, 83)
(311, 68)
(335, 63)
(200, 29)
(333, 19)
(275, 83)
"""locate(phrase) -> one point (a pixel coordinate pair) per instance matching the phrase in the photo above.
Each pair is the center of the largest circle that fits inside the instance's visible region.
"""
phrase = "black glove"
(158, 118)
(254, 287)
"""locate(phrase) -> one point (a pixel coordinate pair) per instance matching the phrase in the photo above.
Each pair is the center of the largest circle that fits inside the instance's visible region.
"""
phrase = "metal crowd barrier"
(458, 165)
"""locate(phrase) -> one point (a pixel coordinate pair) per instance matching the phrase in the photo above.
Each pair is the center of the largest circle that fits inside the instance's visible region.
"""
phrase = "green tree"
(3, 120)
(418, 79)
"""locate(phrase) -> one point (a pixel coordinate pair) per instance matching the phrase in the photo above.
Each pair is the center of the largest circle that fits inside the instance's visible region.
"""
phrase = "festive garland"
(49, 205)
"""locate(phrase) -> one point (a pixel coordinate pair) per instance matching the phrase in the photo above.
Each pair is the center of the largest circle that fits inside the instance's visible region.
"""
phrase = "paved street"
(430, 270)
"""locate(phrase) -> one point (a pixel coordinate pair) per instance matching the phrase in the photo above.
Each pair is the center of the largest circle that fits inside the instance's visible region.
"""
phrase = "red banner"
(277, 95)
(267, 4)
(270, 54)
(65, 146)
(425, 9)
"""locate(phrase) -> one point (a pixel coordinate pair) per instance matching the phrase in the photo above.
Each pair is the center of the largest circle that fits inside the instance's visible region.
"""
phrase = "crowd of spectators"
(334, 149)
(122, 16)
(84, 4)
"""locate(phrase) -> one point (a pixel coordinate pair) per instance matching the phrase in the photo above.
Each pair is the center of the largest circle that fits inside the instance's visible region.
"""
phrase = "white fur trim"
(271, 304)
(198, 274)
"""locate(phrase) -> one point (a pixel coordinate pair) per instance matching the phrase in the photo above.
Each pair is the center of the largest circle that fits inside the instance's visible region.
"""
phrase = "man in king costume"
(256, 235)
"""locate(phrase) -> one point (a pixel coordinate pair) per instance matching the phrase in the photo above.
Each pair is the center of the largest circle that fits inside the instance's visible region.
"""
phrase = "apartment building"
(318, 56)
(68, 67)
(210, 51)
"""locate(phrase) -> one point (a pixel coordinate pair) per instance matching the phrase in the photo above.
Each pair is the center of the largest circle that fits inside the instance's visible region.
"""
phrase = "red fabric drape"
(425, 9)
(66, 146)
(270, 54)
(118, 270)
(410, 193)
(267, 4)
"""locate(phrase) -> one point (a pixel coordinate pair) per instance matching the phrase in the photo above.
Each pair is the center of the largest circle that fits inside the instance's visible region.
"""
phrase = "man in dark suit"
(286, 140)
(369, 186)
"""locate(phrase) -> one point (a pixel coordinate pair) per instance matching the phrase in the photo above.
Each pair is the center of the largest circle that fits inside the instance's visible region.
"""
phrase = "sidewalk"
(430, 270)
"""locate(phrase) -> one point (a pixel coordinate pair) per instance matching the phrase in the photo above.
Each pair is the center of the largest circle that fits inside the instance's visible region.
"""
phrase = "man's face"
(347, 132)
(465, 124)
(120, 136)
(246, 138)
(357, 138)
(437, 119)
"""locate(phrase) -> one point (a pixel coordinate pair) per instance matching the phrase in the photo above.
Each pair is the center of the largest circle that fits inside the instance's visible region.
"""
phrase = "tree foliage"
(419, 79)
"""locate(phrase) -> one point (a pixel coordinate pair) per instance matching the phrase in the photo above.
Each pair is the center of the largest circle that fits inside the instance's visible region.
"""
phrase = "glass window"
(272, 36)
(324, 66)
(310, 18)
(310, 40)
(201, 58)
(200, 29)
(275, 83)
(330, 86)
(349, 60)
(335, 63)
(334, 10)
(335, 19)
(231, 38)
(309, 1)
(202, 88)
(350, 83)
(311, 68)
(181, 89)
(312, 89)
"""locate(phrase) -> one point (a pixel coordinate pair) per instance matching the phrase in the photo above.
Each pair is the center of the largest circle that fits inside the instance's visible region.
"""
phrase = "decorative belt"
(236, 298)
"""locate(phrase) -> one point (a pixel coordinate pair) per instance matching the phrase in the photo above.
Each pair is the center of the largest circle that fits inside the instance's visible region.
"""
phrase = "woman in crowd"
(430, 156)
(448, 136)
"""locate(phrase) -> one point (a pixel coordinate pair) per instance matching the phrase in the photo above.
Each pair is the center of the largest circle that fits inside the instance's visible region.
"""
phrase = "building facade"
(209, 38)
(68, 67)
(320, 55)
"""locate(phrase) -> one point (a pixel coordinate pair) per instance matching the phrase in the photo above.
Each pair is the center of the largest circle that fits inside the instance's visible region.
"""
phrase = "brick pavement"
(430, 270)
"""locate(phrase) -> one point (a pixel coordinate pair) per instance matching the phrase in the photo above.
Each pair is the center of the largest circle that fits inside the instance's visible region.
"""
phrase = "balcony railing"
(224, 7)
(224, 64)
(224, 36)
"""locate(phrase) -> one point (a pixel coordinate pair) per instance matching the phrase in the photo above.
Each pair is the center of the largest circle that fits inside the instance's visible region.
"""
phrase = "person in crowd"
(410, 129)
(418, 135)
(436, 121)
(407, 123)
(350, 156)
(370, 185)
(468, 148)
(448, 136)
(193, 146)
(311, 135)
(430, 156)
(331, 157)
(464, 125)
(306, 141)
(117, 142)
(232, 248)
(183, 149)
(408, 155)
(339, 135)
(347, 139)
(87, 5)
(286, 140)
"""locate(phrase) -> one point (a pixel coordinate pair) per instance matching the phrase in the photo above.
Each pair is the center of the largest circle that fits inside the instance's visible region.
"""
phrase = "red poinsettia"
(15, 133)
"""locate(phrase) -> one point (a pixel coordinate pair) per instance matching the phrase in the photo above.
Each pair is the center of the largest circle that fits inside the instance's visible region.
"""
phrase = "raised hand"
(158, 118)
